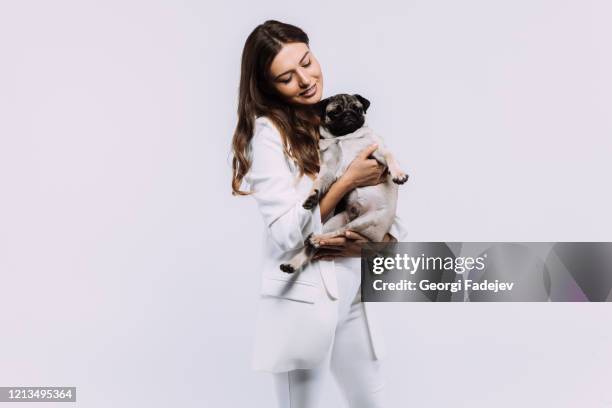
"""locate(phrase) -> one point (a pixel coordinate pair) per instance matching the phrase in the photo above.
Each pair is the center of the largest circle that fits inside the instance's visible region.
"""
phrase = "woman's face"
(296, 74)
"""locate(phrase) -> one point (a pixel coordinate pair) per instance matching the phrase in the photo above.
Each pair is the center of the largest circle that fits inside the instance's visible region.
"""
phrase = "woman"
(313, 320)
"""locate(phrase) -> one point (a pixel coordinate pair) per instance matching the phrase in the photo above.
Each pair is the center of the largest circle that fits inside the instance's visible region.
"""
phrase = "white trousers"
(350, 358)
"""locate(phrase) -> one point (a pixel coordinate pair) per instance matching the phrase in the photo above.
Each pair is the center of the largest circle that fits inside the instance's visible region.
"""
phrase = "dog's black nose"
(350, 115)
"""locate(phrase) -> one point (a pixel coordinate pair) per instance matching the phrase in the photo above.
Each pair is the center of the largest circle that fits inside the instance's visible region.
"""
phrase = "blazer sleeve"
(273, 185)
(398, 230)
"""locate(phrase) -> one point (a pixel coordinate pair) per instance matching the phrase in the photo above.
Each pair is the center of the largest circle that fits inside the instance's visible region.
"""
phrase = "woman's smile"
(310, 91)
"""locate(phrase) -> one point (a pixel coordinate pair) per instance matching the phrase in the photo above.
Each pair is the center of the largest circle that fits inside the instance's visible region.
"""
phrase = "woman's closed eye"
(290, 77)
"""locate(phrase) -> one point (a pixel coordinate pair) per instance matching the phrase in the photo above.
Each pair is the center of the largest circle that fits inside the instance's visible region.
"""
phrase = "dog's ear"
(364, 102)
(321, 106)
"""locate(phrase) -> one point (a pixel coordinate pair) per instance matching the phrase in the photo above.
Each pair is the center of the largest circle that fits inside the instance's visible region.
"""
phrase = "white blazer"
(293, 329)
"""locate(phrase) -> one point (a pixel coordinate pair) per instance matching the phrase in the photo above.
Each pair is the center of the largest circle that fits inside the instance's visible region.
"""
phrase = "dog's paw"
(312, 200)
(313, 241)
(307, 240)
(287, 268)
(400, 178)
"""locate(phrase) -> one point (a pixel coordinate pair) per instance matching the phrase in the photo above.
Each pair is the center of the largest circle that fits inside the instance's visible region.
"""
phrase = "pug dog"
(368, 210)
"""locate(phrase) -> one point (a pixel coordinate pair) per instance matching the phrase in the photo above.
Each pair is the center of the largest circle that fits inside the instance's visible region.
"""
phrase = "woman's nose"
(303, 78)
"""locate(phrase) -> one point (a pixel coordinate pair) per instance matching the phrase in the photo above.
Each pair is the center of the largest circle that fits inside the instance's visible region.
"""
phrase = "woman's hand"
(364, 171)
(361, 172)
(347, 246)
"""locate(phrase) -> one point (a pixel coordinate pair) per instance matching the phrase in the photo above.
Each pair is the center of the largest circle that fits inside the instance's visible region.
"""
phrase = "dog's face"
(343, 113)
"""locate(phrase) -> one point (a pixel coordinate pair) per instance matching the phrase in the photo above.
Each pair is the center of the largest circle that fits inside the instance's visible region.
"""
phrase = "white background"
(128, 270)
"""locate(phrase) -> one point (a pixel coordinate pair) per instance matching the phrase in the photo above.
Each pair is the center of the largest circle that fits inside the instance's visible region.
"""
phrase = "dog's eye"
(355, 107)
(335, 111)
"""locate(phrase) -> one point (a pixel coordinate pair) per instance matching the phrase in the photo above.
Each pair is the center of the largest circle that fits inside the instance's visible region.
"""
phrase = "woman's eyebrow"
(286, 72)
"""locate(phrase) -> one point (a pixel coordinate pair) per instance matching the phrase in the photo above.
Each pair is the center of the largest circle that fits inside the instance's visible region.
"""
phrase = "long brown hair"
(256, 97)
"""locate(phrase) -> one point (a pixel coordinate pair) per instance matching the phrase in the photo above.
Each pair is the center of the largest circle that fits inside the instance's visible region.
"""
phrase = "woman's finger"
(353, 250)
(333, 241)
(334, 248)
(352, 235)
(367, 151)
